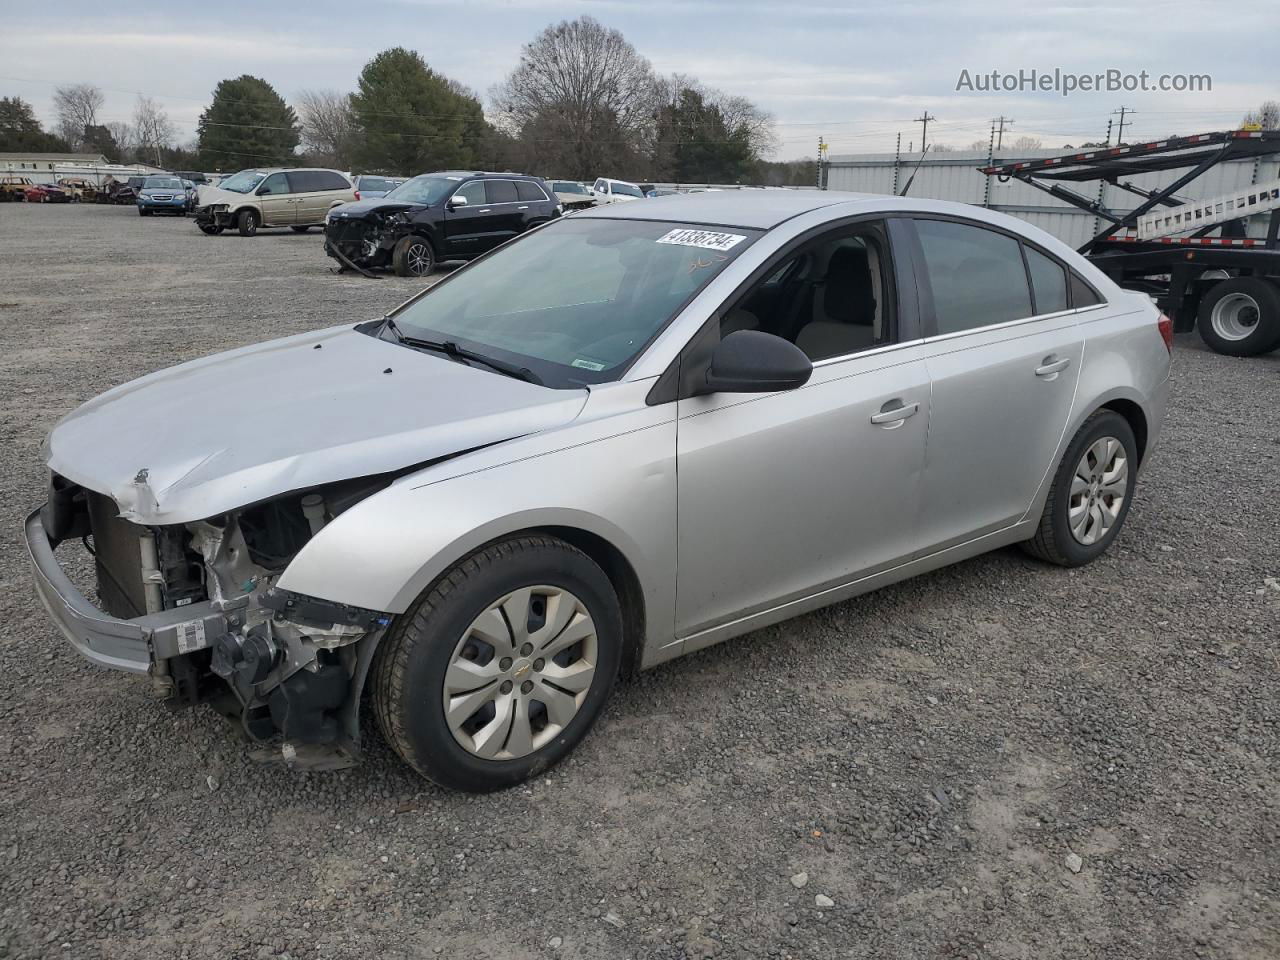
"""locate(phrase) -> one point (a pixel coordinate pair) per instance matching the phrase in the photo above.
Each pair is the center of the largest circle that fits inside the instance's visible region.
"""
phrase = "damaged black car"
(436, 217)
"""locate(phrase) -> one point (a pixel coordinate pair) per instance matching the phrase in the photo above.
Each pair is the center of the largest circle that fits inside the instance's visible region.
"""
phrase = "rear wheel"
(499, 669)
(247, 223)
(1091, 493)
(1241, 317)
(413, 256)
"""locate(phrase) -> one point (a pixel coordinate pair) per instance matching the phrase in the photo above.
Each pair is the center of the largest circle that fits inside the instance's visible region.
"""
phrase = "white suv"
(614, 191)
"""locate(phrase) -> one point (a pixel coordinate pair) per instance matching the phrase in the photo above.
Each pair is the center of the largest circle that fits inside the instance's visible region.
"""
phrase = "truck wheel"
(1241, 317)
(247, 223)
(1091, 493)
(413, 257)
(501, 666)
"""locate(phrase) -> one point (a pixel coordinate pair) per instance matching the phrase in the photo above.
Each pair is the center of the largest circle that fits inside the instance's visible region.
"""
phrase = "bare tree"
(122, 133)
(581, 97)
(328, 126)
(1027, 143)
(152, 129)
(77, 107)
(1266, 116)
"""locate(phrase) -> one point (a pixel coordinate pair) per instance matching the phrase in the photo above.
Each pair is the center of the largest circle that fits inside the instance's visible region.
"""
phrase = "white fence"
(955, 176)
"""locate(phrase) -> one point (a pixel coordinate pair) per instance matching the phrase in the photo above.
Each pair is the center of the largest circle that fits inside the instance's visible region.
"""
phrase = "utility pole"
(999, 130)
(1109, 123)
(897, 162)
(822, 154)
(924, 129)
(1121, 125)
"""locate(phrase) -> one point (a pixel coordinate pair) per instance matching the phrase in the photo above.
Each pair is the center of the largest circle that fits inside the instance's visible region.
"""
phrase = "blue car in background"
(374, 188)
(162, 193)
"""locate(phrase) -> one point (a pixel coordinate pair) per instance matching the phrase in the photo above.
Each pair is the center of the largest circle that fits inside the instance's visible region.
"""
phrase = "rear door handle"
(522, 208)
(893, 413)
(1051, 367)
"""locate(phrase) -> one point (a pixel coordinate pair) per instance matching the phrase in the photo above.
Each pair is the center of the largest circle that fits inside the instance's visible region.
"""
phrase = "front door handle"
(893, 413)
(1050, 367)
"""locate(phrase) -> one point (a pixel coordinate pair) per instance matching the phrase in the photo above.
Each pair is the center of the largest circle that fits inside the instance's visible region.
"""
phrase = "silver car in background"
(619, 438)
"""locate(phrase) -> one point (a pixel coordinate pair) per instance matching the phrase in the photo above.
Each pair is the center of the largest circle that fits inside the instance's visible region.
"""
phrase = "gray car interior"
(828, 299)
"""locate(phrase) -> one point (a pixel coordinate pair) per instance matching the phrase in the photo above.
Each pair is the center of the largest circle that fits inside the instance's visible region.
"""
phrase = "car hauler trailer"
(1192, 256)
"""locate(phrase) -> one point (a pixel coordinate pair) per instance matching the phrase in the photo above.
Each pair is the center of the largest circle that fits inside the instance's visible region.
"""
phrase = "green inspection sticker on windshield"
(703, 238)
(582, 364)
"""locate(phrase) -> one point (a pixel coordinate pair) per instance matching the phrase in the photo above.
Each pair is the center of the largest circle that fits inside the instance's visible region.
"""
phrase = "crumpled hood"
(362, 208)
(206, 196)
(235, 428)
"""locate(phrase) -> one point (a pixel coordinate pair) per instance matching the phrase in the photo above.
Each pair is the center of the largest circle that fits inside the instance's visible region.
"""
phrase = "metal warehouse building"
(955, 176)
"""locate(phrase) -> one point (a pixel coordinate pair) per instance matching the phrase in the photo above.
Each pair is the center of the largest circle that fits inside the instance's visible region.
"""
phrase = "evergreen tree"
(248, 124)
(412, 120)
(21, 132)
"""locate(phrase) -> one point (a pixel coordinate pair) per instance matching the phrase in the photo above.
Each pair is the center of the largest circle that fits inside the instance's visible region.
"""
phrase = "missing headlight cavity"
(276, 530)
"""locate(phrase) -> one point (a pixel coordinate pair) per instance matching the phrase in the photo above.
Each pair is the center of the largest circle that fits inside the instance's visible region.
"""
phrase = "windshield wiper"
(450, 349)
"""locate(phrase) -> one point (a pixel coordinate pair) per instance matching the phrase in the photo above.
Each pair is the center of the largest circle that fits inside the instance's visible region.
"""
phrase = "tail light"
(357, 194)
(1165, 326)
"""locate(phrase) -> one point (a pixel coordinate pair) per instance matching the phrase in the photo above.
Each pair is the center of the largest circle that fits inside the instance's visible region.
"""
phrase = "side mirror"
(456, 201)
(751, 361)
(262, 190)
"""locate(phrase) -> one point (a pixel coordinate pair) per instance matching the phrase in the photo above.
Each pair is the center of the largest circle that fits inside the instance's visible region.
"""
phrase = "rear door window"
(976, 275)
(1048, 281)
(502, 191)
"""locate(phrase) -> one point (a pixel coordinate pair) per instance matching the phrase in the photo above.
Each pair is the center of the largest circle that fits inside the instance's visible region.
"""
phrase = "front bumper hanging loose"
(129, 645)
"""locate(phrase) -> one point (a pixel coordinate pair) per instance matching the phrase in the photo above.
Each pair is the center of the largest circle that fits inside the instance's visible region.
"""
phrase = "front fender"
(614, 478)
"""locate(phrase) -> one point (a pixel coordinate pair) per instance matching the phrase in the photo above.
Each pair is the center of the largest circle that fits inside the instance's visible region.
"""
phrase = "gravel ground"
(1000, 759)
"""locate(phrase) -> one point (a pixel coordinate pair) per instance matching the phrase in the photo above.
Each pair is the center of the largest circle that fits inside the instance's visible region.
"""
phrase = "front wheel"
(1241, 317)
(1091, 494)
(211, 229)
(300, 229)
(247, 223)
(501, 666)
(413, 256)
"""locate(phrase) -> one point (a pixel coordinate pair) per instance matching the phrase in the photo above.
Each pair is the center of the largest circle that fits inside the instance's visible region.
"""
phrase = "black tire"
(247, 222)
(210, 229)
(301, 229)
(1054, 541)
(413, 256)
(408, 675)
(144, 212)
(1255, 304)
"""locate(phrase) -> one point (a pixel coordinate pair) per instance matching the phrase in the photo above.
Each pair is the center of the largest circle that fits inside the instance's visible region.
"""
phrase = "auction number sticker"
(703, 238)
(191, 636)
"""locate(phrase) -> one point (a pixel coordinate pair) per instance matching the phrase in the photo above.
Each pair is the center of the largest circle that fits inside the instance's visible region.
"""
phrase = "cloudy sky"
(854, 72)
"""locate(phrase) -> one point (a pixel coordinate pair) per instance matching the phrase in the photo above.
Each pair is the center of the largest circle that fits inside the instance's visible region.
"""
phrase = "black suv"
(434, 217)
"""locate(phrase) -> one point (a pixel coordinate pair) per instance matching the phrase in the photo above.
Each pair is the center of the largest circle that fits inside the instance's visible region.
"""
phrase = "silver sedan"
(619, 438)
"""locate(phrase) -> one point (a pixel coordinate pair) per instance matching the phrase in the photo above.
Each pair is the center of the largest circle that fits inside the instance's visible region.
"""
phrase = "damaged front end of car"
(364, 241)
(195, 606)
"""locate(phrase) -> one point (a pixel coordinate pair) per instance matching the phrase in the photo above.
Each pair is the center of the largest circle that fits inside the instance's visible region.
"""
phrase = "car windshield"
(567, 186)
(627, 190)
(375, 184)
(425, 189)
(162, 183)
(578, 300)
(242, 182)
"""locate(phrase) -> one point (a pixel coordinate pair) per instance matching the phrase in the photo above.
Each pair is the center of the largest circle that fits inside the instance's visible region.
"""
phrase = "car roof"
(762, 209)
